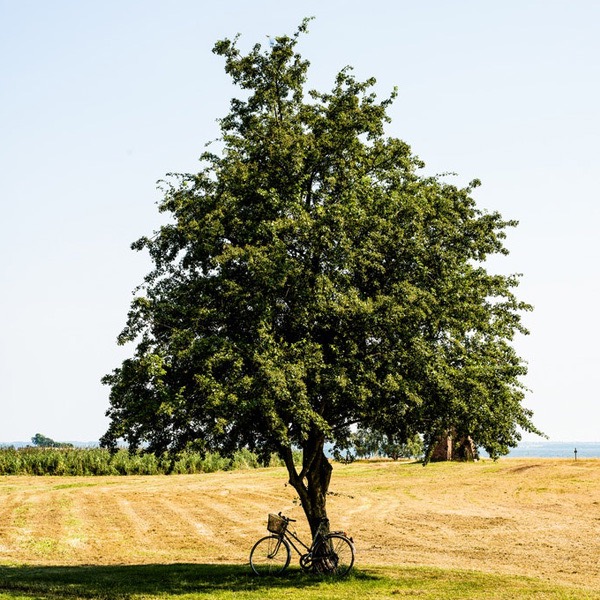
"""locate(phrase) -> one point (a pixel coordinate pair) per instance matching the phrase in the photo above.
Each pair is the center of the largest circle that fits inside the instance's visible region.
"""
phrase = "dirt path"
(528, 517)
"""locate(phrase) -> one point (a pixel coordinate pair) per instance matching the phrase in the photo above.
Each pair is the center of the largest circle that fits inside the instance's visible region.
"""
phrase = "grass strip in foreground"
(199, 581)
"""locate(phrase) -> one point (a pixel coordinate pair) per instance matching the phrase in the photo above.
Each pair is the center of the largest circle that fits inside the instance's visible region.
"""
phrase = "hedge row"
(98, 461)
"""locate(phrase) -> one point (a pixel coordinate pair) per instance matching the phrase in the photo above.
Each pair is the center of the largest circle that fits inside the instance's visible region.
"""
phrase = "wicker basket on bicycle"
(276, 524)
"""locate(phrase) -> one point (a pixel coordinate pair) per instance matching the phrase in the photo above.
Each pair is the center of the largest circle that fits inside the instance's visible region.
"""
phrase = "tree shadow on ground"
(124, 581)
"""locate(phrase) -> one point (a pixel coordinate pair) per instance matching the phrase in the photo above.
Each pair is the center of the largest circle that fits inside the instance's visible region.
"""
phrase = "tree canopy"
(309, 280)
(42, 441)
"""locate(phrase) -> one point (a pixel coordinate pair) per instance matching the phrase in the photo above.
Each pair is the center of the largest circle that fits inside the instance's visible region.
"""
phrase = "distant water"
(556, 450)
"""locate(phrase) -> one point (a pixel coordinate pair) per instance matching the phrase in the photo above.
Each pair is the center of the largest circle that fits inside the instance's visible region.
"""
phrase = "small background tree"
(310, 280)
(42, 441)
(367, 443)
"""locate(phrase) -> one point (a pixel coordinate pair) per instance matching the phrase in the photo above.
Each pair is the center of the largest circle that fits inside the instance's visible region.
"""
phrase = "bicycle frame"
(292, 535)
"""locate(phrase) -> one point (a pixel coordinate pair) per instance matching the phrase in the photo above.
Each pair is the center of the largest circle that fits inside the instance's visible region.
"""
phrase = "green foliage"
(41, 441)
(412, 448)
(99, 461)
(310, 279)
(366, 443)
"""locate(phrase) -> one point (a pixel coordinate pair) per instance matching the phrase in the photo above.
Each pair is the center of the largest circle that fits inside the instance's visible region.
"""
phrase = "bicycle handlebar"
(287, 518)
(322, 519)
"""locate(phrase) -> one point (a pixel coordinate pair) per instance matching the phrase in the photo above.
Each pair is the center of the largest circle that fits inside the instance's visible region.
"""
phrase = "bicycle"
(329, 554)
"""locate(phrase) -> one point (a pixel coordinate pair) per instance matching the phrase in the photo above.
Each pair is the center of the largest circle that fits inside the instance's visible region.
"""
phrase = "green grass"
(220, 582)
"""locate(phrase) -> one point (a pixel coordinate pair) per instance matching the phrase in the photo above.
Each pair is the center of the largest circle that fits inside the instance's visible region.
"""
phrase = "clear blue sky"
(99, 100)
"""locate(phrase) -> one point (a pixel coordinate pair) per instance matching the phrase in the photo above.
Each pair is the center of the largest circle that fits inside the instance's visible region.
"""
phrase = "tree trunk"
(312, 482)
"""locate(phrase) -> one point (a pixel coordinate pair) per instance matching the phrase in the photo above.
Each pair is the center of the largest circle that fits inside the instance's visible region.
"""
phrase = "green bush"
(98, 461)
(244, 459)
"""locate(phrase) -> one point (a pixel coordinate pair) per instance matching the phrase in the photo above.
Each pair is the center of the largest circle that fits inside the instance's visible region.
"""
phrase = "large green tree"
(310, 280)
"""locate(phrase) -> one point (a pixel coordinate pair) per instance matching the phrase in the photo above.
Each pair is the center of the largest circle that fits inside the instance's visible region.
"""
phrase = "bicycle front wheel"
(334, 555)
(270, 556)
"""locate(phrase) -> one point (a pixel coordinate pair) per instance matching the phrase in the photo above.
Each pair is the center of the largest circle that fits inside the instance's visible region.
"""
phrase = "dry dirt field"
(516, 516)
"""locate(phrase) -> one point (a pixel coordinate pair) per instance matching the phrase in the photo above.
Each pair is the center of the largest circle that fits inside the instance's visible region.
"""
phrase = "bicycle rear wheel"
(270, 556)
(334, 555)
